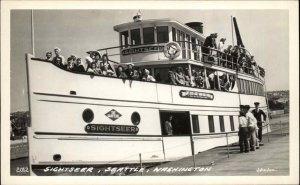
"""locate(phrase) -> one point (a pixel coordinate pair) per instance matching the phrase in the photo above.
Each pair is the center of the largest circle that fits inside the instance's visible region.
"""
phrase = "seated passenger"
(105, 64)
(58, 60)
(193, 83)
(49, 56)
(211, 80)
(172, 76)
(187, 77)
(70, 63)
(92, 69)
(147, 77)
(136, 75)
(129, 70)
(180, 80)
(224, 83)
(97, 59)
(78, 67)
(121, 73)
(199, 79)
(89, 59)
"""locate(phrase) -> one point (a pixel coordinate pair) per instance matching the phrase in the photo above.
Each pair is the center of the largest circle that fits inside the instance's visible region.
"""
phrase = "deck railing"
(195, 52)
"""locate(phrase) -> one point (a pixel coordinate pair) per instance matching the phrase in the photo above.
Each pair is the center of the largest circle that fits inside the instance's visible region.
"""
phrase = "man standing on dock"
(258, 114)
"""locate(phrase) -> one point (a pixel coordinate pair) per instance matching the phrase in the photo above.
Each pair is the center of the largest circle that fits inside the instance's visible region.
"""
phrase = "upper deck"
(165, 42)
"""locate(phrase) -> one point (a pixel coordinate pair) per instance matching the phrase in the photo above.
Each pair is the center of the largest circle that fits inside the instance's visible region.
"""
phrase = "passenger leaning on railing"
(89, 59)
(180, 80)
(78, 67)
(121, 73)
(49, 56)
(147, 77)
(172, 76)
(187, 77)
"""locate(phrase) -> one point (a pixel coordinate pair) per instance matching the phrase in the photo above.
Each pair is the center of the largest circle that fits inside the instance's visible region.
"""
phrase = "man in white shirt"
(243, 132)
(252, 127)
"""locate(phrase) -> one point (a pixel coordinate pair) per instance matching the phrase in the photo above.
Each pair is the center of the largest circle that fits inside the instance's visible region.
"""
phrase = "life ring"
(172, 50)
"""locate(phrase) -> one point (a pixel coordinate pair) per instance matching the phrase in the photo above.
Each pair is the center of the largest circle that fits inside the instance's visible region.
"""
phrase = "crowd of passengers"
(237, 58)
(101, 65)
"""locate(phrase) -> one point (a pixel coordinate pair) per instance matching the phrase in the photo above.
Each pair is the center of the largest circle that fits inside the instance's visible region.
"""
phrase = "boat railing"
(190, 51)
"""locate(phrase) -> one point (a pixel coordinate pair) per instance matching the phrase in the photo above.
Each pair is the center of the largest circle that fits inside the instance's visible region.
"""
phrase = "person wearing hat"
(49, 56)
(261, 118)
(58, 60)
(243, 131)
(252, 127)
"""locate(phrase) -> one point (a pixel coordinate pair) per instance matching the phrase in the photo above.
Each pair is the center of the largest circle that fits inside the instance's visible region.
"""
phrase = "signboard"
(142, 49)
(196, 95)
(120, 129)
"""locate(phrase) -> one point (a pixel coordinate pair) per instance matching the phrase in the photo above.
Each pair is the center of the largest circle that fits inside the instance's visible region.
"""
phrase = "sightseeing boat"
(81, 119)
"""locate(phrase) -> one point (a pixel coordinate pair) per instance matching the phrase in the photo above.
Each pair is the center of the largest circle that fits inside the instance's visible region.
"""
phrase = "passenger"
(172, 76)
(243, 132)
(147, 77)
(89, 59)
(105, 65)
(187, 77)
(210, 42)
(92, 69)
(231, 81)
(49, 56)
(129, 71)
(252, 127)
(211, 80)
(120, 72)
(221, 44)
(261, 118)
(199, 79)
(180, 80)
(235, 55)
(157, 77)
(97, 60)
(168, 126)
(224, 83)
(78, 67)
(193, 82)
(136, 75)
(70, 63)
(58, 60)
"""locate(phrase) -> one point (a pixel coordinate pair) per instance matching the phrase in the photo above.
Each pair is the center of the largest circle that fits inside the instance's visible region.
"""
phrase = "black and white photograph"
(137, 89)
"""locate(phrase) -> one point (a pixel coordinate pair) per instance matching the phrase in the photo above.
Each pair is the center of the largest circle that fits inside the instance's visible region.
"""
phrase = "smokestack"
(198, 26)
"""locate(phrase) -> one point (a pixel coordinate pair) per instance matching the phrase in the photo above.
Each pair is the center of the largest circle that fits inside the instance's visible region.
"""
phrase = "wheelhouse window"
(188, 39)
(195, 122)
(173, 34)
(148, 35)
(211, 125)
(124, 39)
(162, 34)
(135, 37)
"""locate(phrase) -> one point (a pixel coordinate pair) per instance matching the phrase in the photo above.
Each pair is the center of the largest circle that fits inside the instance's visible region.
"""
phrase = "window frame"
(157, 34)
(143, 30)
(139, 33)
(195, 125)
(211, 124)
(221, 122)
(232, 127)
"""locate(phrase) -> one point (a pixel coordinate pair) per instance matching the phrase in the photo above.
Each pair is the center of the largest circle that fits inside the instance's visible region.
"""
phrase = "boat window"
(124, 39)
(162, 34)
(148, 35)
(222, 126)
(195, 122)
(211, 124)
(135, 37)
(180, 123)
(173, 34)
(231, 123)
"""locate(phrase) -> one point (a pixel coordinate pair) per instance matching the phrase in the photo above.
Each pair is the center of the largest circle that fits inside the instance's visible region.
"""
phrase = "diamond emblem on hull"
(113, 115)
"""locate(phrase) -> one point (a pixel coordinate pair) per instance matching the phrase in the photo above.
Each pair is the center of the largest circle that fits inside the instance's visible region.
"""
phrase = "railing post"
(281, 128)
(141, 165)
(268, 132)
(227, 145)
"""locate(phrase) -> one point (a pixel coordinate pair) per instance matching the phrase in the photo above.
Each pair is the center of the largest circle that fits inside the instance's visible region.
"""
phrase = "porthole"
(57, 157)
(88, 115)
(135, 118)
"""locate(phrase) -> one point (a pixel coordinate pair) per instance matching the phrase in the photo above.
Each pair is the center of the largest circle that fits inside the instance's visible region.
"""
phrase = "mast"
(232, 32)
(32, 33)
(237, 32)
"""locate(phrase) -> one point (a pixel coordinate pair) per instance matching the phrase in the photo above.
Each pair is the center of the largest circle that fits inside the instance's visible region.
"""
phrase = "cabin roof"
(165, 20)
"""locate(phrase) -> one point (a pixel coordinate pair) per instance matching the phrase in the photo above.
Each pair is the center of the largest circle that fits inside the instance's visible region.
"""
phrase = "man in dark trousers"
(258, 114)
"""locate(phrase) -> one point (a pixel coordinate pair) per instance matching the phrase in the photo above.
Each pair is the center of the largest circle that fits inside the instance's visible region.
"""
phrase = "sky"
(265, 33)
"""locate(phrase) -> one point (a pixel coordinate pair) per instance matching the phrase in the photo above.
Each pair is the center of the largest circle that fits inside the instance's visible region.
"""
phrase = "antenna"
(32, 33)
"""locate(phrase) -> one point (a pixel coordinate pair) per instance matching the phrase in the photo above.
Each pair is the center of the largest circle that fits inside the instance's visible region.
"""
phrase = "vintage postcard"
(135, 89)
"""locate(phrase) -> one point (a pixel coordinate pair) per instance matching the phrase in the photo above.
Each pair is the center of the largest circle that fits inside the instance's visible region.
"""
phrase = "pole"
(268, 133)
(141, 165)
(32, 33)
(232, 32)
(227, 145)
(193, 154)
